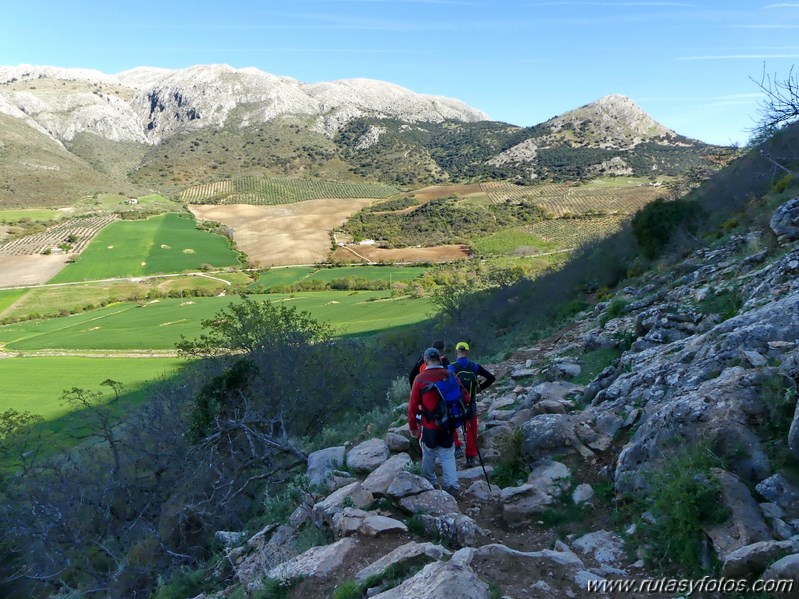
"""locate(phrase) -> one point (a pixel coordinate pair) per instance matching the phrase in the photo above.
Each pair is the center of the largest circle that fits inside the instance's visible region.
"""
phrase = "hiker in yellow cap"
(468, 373)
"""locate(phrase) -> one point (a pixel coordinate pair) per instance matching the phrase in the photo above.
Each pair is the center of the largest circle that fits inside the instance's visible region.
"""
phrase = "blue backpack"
(450, 412)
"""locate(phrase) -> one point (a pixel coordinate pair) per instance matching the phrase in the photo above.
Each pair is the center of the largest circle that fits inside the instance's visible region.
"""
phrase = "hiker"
(468, 373)
(437, 433)
(420, 365)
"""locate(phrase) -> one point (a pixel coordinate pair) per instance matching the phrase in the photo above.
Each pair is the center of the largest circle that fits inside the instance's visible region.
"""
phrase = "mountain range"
(72, 132)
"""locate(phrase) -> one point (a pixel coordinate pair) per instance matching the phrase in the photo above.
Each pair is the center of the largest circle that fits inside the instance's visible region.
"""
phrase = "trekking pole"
(479, 457)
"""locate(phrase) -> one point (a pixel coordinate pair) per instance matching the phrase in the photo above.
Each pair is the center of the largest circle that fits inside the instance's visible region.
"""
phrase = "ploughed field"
(297, 233)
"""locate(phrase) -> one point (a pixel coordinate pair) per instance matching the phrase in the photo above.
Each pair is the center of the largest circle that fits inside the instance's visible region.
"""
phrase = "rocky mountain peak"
(148, 104)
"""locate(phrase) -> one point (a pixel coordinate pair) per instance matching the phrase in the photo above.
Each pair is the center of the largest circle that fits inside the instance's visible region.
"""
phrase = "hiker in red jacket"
(437, 441)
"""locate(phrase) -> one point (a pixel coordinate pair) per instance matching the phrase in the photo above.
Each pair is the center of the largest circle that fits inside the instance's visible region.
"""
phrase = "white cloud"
(783, 5)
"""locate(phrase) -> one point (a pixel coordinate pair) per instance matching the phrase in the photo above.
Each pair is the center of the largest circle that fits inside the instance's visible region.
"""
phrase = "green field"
(160, 324)
(161, 244)
(295, 274)
(9, 296)
(57, 300)
(509, 241)
(11, 216)
(272, 190)
(53, 375)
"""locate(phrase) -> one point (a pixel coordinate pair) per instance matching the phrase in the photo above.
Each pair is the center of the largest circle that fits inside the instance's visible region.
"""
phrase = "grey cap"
(431, 353)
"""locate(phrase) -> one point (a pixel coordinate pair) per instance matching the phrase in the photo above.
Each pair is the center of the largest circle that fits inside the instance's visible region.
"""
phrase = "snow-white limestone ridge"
(150, 104)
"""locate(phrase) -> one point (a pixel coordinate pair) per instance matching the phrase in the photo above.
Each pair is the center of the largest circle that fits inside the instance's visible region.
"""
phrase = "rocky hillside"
(160, 129)
(147, 105)
(679, 457)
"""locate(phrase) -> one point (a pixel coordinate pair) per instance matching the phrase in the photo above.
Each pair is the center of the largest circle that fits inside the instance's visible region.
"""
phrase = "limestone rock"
(375, 525)
(778, 489)
(434, 503)
(379, 481)
(367, 456)
(549, 434)
(410, 553)
(406, 483)
(317, 562)
(745, 524)
(440, 580)
(469, 475)
(786, 568)
(522, 504)
(353, 493)
(397, 443)
(750, 561)
(479, 490)
(785, 221)
(605, 547)
(456, 529)
(322, 463)
(347, 522)
(582, 494)
(546, 573)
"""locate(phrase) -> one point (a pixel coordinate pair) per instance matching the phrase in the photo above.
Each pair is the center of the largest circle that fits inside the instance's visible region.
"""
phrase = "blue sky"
(686, 63)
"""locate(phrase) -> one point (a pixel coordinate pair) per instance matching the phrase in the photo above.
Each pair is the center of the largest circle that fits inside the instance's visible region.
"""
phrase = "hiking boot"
(459, 453)
(471, 462)
(454, 491)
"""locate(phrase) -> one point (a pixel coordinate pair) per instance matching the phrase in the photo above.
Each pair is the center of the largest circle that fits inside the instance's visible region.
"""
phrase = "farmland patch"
(139, 327)
(273, 191)
(29, 270)
(563, 199)
(365, 253)
(161, 244)
(282, 235)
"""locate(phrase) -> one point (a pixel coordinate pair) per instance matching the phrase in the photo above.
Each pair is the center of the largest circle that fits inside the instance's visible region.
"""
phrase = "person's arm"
(489, 378)
(413, 409)
(415, 370)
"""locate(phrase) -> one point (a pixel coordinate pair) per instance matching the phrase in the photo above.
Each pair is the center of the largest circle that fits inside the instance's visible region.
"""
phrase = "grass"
(56, 300)
(160, 324)
(288, 276)
(9, 296)
(11, 216)
(167, 243)
(512, 240)
(594, 362)
(53, 374)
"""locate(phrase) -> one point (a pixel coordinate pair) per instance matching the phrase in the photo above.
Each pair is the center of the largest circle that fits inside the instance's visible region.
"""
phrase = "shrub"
(614, 310)
(656, 224)
(512, 468)
(726, 303)
(684, 497)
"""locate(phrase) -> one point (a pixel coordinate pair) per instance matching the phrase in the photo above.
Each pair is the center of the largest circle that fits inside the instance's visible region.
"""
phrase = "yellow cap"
(462, 345)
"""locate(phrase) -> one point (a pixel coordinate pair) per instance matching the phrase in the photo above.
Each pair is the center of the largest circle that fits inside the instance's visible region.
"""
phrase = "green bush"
(614, 310)
(684, 497)
(656, 224)
(183, 583)
(512, 468)
(727, 303)
(779, 399)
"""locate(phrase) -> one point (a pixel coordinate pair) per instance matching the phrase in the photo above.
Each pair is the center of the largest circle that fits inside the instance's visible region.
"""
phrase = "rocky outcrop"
(317, 562)
(440, 580)
(434, 503)
(380, 480)
(405, 555)
(785, 221)
(322, 464)
(367, 456)
(147, 105)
